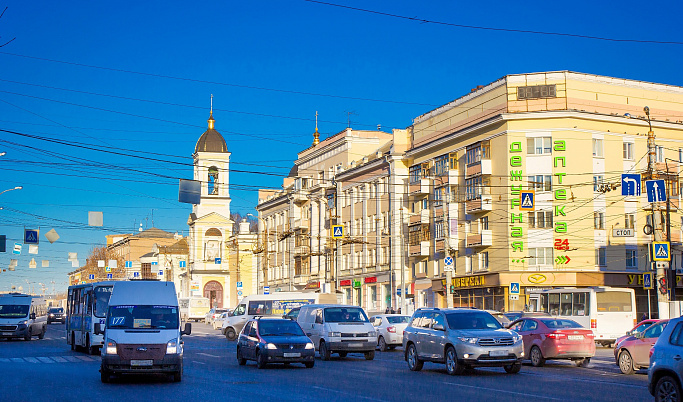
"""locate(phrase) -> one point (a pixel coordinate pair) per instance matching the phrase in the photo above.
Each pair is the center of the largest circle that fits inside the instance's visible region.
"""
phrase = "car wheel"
(240, 360)
(260, 359)
(178, 375)
(343, 354)
(88, 349)
(73, 341)
(667, 389)
(309, 364)
(414, 363)
(230, 334)
(452, 366)
(28, 335)
(324, 351)
(513, 368)
(382, 344)
(583, 362)
(42, 334)
(370, 355)
(104, 375)
(626, 362)
(536, 357)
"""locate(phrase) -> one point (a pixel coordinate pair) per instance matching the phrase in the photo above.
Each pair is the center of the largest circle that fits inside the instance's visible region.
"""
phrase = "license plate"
(292, 354)
(575, 337)
(355, 345)
(498, 353)
(138, 363)
(7, 333)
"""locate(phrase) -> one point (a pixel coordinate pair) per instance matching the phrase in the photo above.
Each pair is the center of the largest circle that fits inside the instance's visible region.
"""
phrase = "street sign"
(527, 200)
(182, 264)
(514, 288)
(30, 236)
(239, 285)
(161, 272)
(656, 190)
(136, 274)
(623, 232)
(17, 248)
(660, 251)
(129, 264)
(91, 276)
(266, 290)
(630, 184)
(239, 293)
(109, 276)
(448, 261)
(217, 260)
(337, 231)
(107, 269)
(647, 281)
(514, 297)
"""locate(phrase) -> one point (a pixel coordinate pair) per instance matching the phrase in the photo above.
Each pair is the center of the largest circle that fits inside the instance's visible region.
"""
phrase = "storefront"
(373, 293)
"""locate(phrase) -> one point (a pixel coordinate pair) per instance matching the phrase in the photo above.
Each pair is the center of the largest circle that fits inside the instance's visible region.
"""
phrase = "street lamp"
(12, 189)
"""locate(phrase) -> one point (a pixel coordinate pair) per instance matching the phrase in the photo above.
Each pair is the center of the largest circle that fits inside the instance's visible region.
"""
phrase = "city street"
(48, 370)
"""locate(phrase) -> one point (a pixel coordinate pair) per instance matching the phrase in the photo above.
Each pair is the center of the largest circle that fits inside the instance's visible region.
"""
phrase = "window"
(474, 155)
(600, 256)
(540, 182)
(468, 264)
(628, 151)
(597, 148)
(614, 301)
(484, 260)
(454, 161)
(599, 220)
(676, 337)
(597, 181)
(213, 180)
(541, 219)
(541, 256)
(438, 230)
(414, 174)
(659, 150)
(414, 235)
(438, 196)
(483, 223)
(631, 259)
(630, 221)
(474, 188)
(441, 165)
(539, 146)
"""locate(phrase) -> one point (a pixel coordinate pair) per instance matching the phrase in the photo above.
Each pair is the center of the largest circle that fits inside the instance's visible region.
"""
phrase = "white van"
(194, 308)
(22, 316)
(277, 305)
(143, 332)
(338, 329)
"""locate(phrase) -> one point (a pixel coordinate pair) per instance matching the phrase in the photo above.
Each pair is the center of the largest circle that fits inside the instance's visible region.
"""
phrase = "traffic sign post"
(648, 283)
(30, 236)
(337, 231)
(630, 184)
(661, 251)
(266, 290)
(527, 200)
(656, 190)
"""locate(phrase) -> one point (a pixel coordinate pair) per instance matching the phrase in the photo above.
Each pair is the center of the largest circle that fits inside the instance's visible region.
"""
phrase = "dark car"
(274, 340)
(55, 314)
(666, 366)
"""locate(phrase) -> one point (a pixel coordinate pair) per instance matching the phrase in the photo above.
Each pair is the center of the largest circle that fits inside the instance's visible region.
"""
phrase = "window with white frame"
(597, 181)
(597, 148)
(538, 146)
(468, 264)
(484, 261)
(631, 258)
(438, 230)
(541, 256)
(483, 223)
(599, 220)
(659, 150)
(540, 182)
(628, 151)
(601, 256)
(630, 221)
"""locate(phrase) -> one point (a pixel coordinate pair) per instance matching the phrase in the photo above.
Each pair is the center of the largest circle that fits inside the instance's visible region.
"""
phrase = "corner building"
(564, 136)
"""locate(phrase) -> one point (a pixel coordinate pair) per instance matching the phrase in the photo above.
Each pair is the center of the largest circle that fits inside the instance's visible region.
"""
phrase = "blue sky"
(134, 78)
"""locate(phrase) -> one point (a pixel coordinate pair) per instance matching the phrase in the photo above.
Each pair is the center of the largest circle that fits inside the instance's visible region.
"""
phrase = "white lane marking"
(354, 396)
(198, 362)
(620, 384)
(31, 359)
(71, 359)
(45, 359)
(363, 371)
(59, 359)
(522, 394)
(85, 358)
(207, 354)
(3, 360)
(17, 359)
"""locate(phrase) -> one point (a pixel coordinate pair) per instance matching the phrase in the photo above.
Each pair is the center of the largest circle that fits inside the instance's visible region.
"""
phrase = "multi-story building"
(569, 138)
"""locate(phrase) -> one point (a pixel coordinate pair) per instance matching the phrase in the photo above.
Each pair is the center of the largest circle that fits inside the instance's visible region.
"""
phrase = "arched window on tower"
(213, 180)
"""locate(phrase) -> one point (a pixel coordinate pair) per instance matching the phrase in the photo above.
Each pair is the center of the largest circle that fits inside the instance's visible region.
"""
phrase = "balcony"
(421, 249)
(301, 250)
(453, 177)
(299, 196)
(420, 187)
(439, 245)
(485, 203)
(483, 239)
(421, 217)
(480, 168)
(300, 224)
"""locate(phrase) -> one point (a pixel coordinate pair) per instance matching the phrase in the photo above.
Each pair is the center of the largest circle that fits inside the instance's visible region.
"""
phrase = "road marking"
(207, 354)
(198, 362)
(621, 384)
(71, 359)
(354, 396)
(363, 371)
(3, 360)
(45, 359)
(85, 358)
(477, 387)
(31, 359)
(59, 359)
(17, 359)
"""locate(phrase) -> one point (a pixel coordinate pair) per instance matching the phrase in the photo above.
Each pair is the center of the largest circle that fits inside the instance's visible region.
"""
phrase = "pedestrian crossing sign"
(514, 288)
(647, 281)
(527, 200)
(660, 251)
(337, 231)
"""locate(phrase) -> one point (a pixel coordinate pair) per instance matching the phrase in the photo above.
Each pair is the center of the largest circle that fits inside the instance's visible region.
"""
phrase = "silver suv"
(666, 363)
(462, 339)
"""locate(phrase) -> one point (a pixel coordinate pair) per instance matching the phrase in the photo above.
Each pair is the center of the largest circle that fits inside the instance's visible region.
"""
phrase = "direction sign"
(109, 276)
(161, 273)
(129, 264)
(647, 281)
(527, 200)
(217, 260)
(266, 290)
(337, 231)
(30, 236)
(656, 190)
(630, 184)
(514, 288)
(660, 251)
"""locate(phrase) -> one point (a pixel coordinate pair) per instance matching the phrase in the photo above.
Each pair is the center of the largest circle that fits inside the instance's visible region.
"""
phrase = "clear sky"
(106, 100)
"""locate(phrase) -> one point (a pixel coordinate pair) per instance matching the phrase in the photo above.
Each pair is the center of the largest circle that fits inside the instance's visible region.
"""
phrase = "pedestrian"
(387, 311)
(393, 311)
(644, 317)
(399, 310)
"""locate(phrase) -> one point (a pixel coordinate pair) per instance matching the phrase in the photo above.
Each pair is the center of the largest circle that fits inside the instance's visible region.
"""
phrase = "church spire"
(211, 120)
(316, 135)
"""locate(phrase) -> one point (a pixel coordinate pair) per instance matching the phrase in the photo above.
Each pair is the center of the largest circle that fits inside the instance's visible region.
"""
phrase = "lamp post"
(265, 248)
(12, 189)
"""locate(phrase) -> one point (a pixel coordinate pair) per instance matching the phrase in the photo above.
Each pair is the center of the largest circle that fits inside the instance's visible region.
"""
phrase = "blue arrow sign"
(656, 190)
(630, 184)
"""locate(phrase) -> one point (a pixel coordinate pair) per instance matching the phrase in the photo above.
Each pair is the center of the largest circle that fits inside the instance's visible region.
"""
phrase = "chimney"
(244, 226)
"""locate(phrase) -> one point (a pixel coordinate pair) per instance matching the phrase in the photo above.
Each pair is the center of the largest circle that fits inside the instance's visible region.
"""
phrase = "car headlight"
(517, 338)
(172, 347)
(310, 346)
(468, 340)
(52, 315)
(335, 334)
(111, 348)
(372, 333)
(24, 322)
(271, 346)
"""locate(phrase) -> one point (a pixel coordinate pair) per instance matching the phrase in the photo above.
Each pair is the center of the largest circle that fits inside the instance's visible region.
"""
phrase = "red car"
(640, 327)
(633, 353)
(555, 338)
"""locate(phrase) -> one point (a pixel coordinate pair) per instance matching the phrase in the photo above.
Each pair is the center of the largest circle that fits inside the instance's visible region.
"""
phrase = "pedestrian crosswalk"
(49, 359)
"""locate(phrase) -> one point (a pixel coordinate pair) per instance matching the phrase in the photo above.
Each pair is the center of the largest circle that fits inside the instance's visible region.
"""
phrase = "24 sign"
(562, 244)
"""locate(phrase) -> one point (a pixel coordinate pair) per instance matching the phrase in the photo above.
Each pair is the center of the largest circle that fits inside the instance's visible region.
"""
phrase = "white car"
(218, 322)
(389, 329)
(213, 315)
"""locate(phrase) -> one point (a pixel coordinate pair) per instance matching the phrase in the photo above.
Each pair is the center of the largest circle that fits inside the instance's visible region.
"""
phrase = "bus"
(609, 312)
(86, 304)
(194, 308)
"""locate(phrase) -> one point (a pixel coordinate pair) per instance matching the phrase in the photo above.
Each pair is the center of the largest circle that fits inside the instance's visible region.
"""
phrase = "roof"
(143, 293)
(179, 247)
(154, 233)
(211, 141)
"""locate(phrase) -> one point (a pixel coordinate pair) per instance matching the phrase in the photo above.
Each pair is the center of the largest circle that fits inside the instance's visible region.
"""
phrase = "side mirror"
(438, 327)
(629, 333)
(32, 316)
(98, 329)
(187, 330)
(230, 314)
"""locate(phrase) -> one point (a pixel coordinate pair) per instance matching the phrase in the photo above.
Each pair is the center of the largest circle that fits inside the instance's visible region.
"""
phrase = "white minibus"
(86, 305)
(194, 308)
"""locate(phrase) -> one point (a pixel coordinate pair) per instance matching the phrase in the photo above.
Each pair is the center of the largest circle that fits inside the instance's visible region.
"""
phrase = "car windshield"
(56, 310)
(13, 310)
(280, 328)
(472, 320)
(561, 324)
(345, 314)
(143, 317)
(398, 319)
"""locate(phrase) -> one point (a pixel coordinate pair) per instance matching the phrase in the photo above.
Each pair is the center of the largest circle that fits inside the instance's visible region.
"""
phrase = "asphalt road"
(48, 370)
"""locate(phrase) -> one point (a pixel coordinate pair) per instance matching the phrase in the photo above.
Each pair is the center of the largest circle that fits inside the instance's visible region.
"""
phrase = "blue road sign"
(239, 285)
(656, 190)
(91, 276)
(647, 281)
(17, 248)
(155, 263)
(448, 261)
(217, 261)
(337, 231)
(514, 288)
(129, 264)
(107, 269)
(109, 276)
(239, 293)
(30, 236)
(630, 184)
(182, 264)
(161, 272)
(136, 274)
(266, 290)
(660, 251)
(527, 200)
